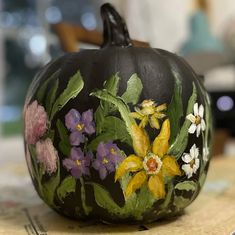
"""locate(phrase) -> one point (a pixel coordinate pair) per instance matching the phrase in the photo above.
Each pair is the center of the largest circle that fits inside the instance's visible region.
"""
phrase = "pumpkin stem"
(115, 30)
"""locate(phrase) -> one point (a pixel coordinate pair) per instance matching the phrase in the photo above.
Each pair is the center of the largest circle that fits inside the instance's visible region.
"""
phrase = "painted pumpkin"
(120, 134)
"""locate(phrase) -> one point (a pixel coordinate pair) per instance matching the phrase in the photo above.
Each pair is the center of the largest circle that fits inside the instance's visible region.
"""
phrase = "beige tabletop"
(22, 212)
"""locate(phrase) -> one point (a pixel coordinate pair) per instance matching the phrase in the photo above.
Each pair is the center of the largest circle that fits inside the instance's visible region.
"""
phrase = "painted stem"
(86, 208)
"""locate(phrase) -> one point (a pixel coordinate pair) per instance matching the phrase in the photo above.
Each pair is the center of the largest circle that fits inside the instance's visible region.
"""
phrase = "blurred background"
(32, 32)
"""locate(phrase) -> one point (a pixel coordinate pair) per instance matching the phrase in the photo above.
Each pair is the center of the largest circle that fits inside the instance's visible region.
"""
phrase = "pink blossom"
(47, 155)
(35, 122)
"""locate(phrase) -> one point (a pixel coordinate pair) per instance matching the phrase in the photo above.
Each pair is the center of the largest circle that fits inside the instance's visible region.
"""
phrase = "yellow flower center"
(105, 161)
(152, 164)
(78, 162)
(112, 151)
(198, 120)
(192, 163)
(147, 103)
(80, 126)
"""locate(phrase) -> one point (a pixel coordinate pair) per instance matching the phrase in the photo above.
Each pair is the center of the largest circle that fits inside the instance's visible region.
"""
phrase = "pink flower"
(35, 122)
(47, 155)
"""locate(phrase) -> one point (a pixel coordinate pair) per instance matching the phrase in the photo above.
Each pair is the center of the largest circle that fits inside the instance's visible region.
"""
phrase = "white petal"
(196, 165)
(192, 128)
(195, 109)
(188, 170)
(191, 118)
(203, 124)
(187, 158)
(198, 129)
(194, 152)
(201, 111)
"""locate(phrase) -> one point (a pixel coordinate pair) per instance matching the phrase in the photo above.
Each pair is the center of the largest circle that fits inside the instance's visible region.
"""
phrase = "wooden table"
(22, 212)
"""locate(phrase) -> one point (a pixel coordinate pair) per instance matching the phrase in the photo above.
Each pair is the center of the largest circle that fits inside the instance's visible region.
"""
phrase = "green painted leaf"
(73, 88)
(133, 91)
(49, 187)
(181, 202)
(111, 85)
(67, 186)
(119, 103)
(42, 90)
(175, 109)
(187, 186)
(104, 199)
(51, 96)
(178, 146)
(64, 143)
(113, 129)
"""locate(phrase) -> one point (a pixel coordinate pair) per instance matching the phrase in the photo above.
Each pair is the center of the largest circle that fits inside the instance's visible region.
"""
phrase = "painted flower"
(47, 155)
(78, 163)
(192, 161)
(108, 156)
(149, 112)
(198, 123)
(205, 153)
(150, 164)
(35, 122)
(79, 125)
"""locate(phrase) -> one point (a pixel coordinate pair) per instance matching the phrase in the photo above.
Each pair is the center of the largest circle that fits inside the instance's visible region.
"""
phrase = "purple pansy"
(78, 163)
(79, 125)
(107, 157)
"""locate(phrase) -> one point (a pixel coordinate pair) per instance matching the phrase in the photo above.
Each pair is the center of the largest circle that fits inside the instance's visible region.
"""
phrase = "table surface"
(22, 212)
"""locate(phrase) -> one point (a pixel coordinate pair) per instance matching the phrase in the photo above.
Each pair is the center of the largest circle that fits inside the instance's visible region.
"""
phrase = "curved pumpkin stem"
(115, 30)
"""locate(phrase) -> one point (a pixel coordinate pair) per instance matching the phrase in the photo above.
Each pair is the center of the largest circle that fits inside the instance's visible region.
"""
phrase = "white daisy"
(205, 153)
(192, 161)
(198, 123)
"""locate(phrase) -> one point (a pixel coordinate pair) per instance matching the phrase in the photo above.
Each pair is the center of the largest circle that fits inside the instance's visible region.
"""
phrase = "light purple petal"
(103, 173)
(76, 138)
(69, 164)
(71, 119)
(96, 164)
(89, 128)
(85, 170)
(76, 154)
(76, 173)
(87, 116)
(102, 149)
(110, 166)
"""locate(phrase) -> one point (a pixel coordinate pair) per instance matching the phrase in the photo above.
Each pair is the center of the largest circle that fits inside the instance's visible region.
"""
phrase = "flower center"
(152, 164)
(105, 161)
(80, 126)
(192, 163)
(78, 162)
(198, 120)
(112, 151)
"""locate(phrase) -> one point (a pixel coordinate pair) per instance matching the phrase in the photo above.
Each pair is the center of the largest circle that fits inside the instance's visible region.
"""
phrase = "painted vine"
(89, 140)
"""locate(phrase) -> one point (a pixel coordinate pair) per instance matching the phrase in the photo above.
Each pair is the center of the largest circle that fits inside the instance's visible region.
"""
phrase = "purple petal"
(96, 164)
(110, 166)
(89, 128)
(76, 138)
(69, 164)
(76, 173)
(76, 154)
(103, 173)
(85, 171)
(102, 149)
(87, 116)
(71, 119)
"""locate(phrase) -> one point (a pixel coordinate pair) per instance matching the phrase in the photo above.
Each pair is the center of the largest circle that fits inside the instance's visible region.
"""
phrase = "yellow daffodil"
(149, 112)
(150, 164)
